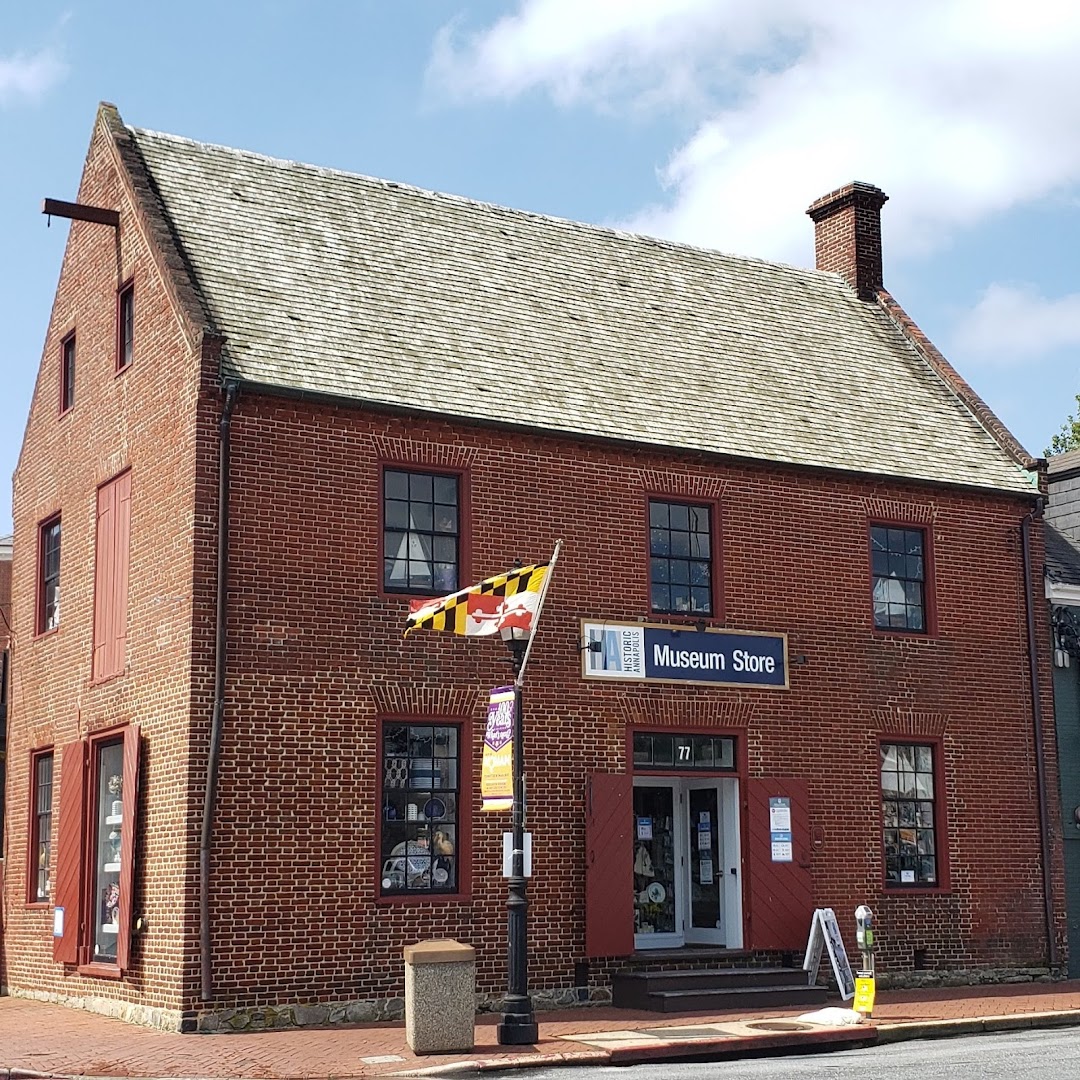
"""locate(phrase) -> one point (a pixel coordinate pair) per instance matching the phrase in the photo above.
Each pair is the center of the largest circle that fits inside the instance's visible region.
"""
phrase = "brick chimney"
(847, 235)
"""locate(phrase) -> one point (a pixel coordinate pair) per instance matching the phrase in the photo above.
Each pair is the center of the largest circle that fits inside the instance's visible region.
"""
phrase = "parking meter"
(864, 929)
(864, 979)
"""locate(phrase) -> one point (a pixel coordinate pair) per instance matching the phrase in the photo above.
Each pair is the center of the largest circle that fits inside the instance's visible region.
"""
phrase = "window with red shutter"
(95, 856)
(111, 576)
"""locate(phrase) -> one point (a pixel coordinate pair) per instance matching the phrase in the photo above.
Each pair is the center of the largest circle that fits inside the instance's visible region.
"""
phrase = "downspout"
(214, 754)
(1037, 727)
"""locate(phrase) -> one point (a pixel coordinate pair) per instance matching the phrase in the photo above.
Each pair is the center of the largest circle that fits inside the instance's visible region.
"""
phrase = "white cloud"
(1014, 323)
(959, 109)
(28, 77)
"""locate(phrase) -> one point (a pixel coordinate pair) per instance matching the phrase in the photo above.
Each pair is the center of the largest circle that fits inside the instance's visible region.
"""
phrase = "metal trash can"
(440, 997)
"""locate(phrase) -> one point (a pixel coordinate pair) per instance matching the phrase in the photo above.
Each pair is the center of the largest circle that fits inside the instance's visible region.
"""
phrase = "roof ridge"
(956, 382)
(483, 204)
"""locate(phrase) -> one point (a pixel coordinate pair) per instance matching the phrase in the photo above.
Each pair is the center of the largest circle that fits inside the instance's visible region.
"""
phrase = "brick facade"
(316, 661)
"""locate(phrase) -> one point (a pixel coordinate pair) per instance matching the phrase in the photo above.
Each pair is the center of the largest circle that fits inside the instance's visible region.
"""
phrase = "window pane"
(658, 515)
(421, 487)
(680, 572)
(701, 600)
(679, 516)
(642, 749)
(397, 514)
(680, 543)
(658, 571)
(396, 485)
(421, 517)
(445, 488)
(660, 597)
(659, 542)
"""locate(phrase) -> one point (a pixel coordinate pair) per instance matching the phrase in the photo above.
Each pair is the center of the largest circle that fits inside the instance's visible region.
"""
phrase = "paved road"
(1028, 1055)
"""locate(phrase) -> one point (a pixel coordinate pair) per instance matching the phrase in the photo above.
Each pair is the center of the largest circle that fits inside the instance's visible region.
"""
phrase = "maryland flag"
(506, 600)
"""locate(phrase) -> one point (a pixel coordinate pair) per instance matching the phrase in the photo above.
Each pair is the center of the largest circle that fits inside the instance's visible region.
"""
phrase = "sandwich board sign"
(825, 937)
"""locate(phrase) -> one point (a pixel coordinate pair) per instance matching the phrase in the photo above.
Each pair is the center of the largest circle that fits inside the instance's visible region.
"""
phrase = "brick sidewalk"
(52, 1039)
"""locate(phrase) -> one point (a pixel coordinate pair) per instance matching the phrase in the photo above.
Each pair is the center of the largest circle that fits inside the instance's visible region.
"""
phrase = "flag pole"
(519, 679)
(519, 1027)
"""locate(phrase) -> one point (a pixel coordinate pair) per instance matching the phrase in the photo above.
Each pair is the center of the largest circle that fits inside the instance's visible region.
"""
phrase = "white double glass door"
(686, 862)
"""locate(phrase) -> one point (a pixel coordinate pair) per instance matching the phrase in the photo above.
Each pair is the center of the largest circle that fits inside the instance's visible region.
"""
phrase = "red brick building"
(783, 664)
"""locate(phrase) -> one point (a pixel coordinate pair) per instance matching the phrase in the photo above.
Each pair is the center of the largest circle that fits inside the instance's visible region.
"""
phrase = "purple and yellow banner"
(497, 771)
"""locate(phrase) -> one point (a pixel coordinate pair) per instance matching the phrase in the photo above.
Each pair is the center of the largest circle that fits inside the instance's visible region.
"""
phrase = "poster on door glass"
(706, 871)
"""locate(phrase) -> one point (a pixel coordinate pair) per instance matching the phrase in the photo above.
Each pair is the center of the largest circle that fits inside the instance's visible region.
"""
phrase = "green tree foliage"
(1068, 438)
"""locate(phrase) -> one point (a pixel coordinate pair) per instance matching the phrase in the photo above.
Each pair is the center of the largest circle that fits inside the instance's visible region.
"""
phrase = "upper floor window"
(48, 599)
(125, 326)
(680, 559)
(111, 576)
(41, 780)
(67, 373)
(421, 532)
(909, 817)
(898, 559)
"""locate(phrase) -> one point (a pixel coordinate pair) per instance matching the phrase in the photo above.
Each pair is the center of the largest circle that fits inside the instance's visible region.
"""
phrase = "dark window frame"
(929, 610)
(39, 819)
(462, 817)
(125, 325)
(46, 576)
(388, 525)
(714, 560)
(67, 373)
(938, 827)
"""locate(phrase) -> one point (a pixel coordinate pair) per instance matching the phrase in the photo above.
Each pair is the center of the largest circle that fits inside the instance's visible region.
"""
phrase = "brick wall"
(142, 419)
(317, 658)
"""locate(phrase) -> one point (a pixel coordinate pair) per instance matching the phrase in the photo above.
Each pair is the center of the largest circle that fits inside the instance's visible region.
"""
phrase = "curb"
(976, 1025)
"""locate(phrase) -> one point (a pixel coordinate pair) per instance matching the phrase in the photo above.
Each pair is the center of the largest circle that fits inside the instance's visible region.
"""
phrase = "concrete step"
(712, 988)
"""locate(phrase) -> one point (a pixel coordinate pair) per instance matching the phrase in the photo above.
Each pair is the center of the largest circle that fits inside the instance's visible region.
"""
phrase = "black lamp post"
(518, 1027)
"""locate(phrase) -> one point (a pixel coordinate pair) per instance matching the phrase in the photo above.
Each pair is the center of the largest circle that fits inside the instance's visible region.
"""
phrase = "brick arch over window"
(898, 721)
(686, 485)
(418, 452)
(683, 712)
(898, 510)
(408, 699)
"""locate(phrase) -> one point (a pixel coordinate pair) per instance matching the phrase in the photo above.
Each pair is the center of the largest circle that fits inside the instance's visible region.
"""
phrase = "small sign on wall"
(780, 829)
(58, 922)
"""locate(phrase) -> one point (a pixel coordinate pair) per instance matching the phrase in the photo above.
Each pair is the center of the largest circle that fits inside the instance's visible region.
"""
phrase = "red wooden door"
(609, 865)
(67, 891)
(781, 894)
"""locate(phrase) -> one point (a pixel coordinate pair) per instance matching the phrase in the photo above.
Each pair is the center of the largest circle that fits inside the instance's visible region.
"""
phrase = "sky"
(715, 122)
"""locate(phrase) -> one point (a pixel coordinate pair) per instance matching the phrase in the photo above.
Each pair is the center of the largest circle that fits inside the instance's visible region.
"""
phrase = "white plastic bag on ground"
(833, 1016)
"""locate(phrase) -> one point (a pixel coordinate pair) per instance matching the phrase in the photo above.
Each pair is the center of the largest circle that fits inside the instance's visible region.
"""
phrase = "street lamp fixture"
(518, 1027)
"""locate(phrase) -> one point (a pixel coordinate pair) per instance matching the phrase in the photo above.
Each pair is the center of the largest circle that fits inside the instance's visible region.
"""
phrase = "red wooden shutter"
(781, 893)
(128, 832)
(122, 542)
(67, 890)
(111, 576)
(609, 865)
(104, 589)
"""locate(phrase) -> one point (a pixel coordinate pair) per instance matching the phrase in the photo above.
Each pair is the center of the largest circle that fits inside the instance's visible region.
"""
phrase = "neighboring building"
(5, 681)
(1063, 592)
(277, 402)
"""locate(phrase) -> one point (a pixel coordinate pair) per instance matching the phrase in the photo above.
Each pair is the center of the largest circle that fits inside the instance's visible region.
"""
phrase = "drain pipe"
(214, 755)
(1037, 728)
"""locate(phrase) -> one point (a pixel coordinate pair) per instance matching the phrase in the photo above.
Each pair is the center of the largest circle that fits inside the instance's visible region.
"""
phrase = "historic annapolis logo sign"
(651, 651)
